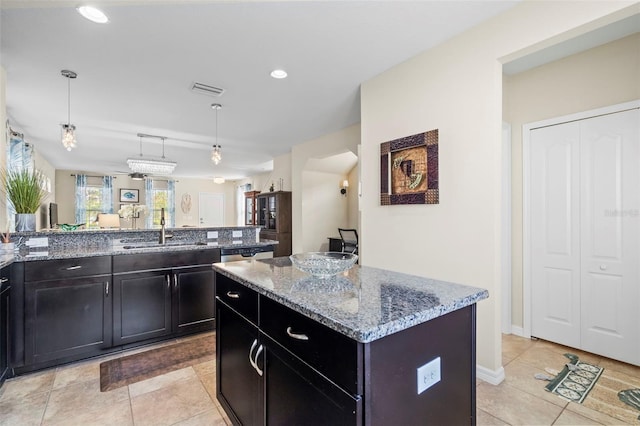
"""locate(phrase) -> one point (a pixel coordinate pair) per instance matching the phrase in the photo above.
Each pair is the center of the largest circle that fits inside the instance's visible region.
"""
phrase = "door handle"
(253, 346)
(255, 362)
(297, 336)
(603, 267)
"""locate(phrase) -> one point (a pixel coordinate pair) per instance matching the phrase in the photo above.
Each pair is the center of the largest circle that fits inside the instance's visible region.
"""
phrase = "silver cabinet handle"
(255, 362)
(297, 336)
(603, 267)
(233, 295)
(72, 268)
(3, 280)
(107, 289)
(168, 281)
(255, 342)
(175, 280)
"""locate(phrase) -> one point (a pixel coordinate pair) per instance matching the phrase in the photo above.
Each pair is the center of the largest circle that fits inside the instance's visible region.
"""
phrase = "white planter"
(25, 222)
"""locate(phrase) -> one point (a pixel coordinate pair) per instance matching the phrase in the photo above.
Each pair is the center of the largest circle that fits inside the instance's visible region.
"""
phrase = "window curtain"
(148, 198)
(107, 194)
(81, 198)
(171, 201)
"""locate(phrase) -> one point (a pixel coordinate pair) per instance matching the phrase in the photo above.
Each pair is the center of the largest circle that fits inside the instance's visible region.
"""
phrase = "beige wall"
(3, 150)
(353, 213)
(193, 187)
(606, 75)
(306, 232)
(457, 88)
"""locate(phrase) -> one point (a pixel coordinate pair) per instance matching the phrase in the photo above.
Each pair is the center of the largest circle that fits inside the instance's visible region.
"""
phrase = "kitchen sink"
(155, 244)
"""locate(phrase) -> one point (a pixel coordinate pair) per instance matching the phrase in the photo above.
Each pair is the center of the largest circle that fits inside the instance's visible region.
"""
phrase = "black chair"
(349, 239)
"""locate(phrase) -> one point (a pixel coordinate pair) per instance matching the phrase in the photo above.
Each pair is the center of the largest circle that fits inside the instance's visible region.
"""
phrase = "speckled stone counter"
(363, 303)
(6, 259)
(90, 243)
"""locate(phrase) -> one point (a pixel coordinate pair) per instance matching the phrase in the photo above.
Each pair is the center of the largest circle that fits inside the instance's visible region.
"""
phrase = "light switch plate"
(428, 375)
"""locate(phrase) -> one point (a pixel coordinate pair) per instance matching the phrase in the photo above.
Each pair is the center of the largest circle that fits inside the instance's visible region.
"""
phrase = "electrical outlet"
(212, 234)
(428, 375)
(237, 234)
(37, 242)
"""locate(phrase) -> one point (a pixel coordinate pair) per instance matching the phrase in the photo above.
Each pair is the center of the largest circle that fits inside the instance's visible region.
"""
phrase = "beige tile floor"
(70, 395)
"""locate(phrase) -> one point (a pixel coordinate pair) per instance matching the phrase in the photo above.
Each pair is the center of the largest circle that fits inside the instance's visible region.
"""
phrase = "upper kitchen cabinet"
(250, 207)
(274, 216)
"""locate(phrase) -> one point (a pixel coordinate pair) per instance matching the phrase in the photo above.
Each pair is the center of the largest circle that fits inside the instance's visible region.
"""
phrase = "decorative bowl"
(323, 264)
(69, 226)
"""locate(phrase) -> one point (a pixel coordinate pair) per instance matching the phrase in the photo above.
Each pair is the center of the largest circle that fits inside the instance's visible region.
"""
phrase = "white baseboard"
(490, 376)
(518, 331)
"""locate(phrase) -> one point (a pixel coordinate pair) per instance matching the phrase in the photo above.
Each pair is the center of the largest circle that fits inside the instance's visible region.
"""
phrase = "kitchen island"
(367, 346)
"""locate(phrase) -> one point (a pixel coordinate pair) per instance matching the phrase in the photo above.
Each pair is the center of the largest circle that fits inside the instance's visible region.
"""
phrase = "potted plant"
(25, 192)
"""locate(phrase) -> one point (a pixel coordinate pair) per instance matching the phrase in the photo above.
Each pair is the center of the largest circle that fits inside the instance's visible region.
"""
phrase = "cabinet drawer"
(124, 263)
(66, 268)
(329, 352)
(241, 298)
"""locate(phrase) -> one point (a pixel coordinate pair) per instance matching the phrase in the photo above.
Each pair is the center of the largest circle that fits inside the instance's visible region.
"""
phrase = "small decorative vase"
(7, 247)
(25, 222)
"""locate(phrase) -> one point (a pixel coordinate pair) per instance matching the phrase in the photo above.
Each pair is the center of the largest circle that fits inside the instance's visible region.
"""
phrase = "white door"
(211, 209)
(555, 240)
(585, 235)
(610, 164)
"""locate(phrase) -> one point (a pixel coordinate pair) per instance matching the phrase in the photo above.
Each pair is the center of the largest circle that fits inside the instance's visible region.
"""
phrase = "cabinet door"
(193, 299)
(238, 384)
(67, 318)
(298, 395)
(4, 329)
(142, 306)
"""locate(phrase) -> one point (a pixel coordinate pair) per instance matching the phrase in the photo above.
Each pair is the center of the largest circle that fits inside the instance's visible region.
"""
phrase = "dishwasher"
(244, 253)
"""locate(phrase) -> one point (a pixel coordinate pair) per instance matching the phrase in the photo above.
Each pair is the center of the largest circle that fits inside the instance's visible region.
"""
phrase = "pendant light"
(141, 165)
(216, 155)
(68, 130)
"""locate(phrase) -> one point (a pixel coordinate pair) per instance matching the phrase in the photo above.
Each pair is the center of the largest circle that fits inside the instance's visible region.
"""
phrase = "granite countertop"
(363, 303)
(25, 254)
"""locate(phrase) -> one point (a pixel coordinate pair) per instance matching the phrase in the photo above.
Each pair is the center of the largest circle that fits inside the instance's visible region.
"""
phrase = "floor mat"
(145, 365)
(576, 379)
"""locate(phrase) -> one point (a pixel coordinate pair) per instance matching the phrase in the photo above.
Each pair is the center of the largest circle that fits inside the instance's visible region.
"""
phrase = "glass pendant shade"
(68, 136)
(216, 155)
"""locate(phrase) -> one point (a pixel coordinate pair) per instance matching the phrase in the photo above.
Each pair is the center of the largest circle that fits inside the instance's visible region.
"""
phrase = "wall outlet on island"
(428, 375)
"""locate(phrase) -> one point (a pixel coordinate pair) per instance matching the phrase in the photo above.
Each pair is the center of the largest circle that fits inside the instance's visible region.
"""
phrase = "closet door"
(610, 234)
(555, 229)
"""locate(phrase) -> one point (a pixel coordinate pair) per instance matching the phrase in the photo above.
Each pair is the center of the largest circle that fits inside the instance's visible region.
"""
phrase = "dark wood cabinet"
(274, 217)
(5, 343)
(142, 306)
(299, 371)
(67, 319)
(250, 207)
(193, 306)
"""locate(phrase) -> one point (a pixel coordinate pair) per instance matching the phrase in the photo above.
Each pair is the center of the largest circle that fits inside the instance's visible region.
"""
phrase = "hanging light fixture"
(216, 155)
(142, 165)
(68, 130)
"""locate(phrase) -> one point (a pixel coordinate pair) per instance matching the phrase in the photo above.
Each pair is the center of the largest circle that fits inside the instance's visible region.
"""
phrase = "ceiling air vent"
(205, 89)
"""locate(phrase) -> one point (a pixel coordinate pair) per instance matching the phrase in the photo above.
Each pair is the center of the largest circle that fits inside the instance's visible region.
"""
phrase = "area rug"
(630, 397)
(154, 362)
(576, 379)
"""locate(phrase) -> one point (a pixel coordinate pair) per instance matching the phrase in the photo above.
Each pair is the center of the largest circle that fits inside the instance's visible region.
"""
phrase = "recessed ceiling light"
(93, 14)
(279, 74)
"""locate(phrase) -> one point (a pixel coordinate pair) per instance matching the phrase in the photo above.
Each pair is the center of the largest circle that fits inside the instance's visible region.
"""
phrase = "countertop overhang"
(363, 303)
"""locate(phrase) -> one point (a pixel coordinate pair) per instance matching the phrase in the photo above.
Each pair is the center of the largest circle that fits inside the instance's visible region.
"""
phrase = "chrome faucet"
(163, 236)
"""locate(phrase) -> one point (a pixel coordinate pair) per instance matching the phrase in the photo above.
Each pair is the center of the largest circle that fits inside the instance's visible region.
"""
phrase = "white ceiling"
(135, 74)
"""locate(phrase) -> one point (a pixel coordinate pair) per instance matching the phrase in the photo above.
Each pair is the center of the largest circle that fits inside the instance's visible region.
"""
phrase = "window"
(94, 195)
(160, 194)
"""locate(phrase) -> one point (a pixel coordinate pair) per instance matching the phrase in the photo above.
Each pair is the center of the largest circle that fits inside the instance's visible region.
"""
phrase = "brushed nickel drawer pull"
(3, 280)
(107, 289)
(233, 295)
(73, 268)
(255, 362)
(253, 346)
(297, 336)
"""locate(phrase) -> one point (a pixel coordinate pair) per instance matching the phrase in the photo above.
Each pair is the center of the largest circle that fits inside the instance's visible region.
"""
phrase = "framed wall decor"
(129, 195)
(409, 170)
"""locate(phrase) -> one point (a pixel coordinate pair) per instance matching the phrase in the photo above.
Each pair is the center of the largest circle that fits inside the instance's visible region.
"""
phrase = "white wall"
(305, 231)
(456, 87)
(324, 209)
(353, 212)
(48, 172)
(3, 151)
(605, 75)
(193, 187)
